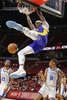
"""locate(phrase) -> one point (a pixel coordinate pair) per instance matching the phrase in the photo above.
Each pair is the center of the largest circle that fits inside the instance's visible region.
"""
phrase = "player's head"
(38, 23)
(7, 63)
(53, 63)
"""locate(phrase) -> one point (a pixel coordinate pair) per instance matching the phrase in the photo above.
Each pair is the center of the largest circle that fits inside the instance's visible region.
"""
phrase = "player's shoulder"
(1, 69)
(47, 68)
(45, 23)
(58, 69)
(34, 29)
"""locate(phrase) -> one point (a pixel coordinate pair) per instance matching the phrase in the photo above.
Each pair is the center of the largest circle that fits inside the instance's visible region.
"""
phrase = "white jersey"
(5, 76)
(45, 25)
(52, 76)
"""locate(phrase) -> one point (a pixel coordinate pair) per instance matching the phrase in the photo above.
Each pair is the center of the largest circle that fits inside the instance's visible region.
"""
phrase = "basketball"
(12, 48)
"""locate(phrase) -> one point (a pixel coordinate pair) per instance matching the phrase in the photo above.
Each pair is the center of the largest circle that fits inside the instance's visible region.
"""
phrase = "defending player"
(39, 37)
(6, 82)
(49, 78)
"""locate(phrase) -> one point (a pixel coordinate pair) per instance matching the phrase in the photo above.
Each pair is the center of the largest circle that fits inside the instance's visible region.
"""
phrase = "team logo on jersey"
(6, 73)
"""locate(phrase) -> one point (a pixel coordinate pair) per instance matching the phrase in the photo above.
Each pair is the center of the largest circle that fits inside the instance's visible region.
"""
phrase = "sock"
(21, 67)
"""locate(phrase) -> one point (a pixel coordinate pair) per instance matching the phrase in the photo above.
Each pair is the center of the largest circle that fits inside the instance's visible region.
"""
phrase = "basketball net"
(26, 9)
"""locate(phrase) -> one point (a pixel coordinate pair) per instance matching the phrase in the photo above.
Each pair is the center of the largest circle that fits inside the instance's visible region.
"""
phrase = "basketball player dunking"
(39, 35)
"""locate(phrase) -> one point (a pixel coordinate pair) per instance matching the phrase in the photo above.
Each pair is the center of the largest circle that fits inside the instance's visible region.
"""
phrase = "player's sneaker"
(14, 25)
(19, 73)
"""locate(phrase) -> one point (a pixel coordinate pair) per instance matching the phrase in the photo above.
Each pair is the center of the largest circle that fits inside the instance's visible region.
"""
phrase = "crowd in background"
(29, 83)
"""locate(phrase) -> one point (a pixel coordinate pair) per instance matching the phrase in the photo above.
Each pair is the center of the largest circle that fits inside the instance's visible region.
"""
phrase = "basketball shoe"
(19, 73)
(14, 25)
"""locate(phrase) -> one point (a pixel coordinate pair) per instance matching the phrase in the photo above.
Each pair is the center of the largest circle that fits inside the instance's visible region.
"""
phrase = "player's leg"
(43, 91)
(38, 97)
(14, 25)
(52, 93)
(61, 92)
(29, 33)
(21, 59)
(62, 89)
(2, 94)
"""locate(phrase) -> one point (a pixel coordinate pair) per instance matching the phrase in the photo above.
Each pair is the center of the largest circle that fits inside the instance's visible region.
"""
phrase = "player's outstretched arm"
(31, 25)
(39, 13)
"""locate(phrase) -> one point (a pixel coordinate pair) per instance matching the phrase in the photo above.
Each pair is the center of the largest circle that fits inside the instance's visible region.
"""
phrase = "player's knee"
(21, 52)
(37, 99)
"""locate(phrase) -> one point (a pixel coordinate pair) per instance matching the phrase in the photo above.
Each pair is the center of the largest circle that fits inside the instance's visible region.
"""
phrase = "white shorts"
(47, 90)
(2, 87)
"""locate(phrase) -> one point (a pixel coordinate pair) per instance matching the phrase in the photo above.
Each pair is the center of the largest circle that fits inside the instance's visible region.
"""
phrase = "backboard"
(53, 7)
